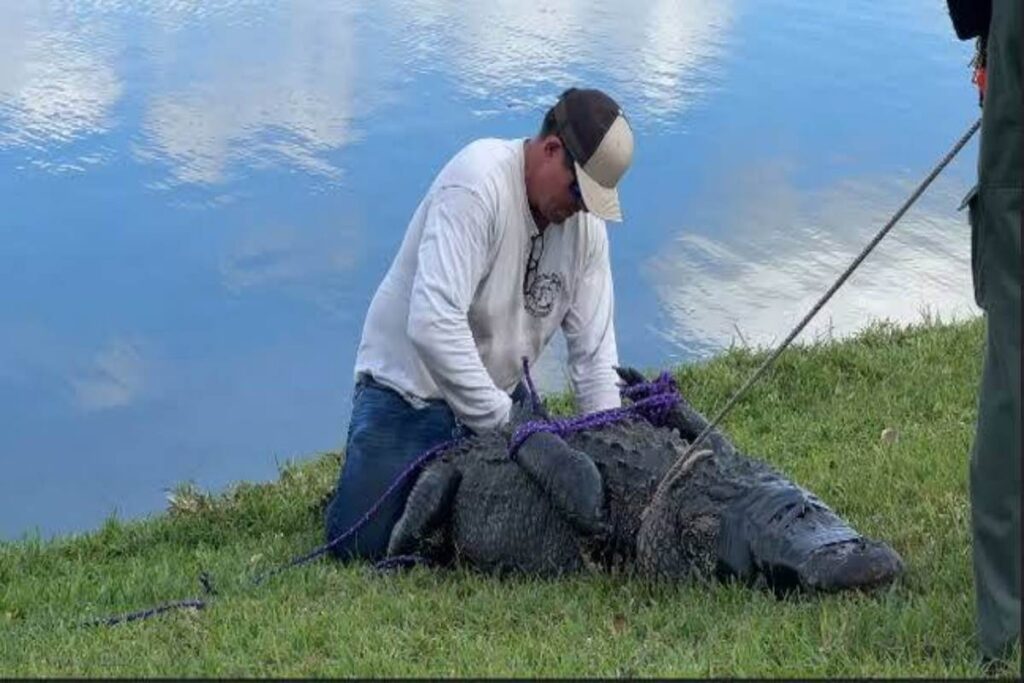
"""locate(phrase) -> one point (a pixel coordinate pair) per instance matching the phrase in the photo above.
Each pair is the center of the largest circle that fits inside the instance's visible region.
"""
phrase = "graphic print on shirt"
(539, 291)
(542, 294)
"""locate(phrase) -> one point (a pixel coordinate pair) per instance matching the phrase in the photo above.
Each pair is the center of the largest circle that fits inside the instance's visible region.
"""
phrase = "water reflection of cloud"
(284, 98)
(56, 82)
(677, 46)
(311, 263)
(116, 377)
(41, 362)
(656, 52)
(755, 260)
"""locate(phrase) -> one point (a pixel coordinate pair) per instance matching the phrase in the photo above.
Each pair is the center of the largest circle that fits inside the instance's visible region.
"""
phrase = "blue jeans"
(386, 433)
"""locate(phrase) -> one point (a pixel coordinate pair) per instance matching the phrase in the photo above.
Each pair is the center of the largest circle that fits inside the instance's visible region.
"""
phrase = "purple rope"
(651, 400)
(662, 385)
(204, 579)
(399, 562)
(146, 614)
(368, 515)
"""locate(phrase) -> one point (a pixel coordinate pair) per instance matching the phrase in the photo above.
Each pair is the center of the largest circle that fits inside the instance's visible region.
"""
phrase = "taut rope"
(678, 468)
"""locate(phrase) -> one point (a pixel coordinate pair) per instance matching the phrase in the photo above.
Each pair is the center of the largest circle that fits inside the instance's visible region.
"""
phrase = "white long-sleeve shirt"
(451, 320)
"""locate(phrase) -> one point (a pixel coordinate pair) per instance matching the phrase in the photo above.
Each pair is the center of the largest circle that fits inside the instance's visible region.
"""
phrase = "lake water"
(200, 197)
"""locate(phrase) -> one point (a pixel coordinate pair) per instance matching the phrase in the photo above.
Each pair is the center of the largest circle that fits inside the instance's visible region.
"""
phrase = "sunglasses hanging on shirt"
(540, 291)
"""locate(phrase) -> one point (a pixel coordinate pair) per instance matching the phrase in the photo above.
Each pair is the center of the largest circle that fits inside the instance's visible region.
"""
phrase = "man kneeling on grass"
(508, 245)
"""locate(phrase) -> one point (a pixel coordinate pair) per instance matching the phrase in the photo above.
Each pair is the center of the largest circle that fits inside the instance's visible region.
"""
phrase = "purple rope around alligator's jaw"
(651, 400)
(653, 408)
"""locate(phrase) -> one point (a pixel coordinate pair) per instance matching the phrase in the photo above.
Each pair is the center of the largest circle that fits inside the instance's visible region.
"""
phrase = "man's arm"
(454, 255)
(589, 330)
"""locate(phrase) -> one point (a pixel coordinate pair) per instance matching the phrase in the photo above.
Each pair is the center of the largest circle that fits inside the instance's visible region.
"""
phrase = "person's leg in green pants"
(996, 249)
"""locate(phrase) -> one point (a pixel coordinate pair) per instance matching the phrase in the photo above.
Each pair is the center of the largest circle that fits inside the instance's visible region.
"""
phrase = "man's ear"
(552, 145)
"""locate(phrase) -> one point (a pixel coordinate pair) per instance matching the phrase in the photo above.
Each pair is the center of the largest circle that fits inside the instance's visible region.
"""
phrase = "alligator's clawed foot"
(630, 376)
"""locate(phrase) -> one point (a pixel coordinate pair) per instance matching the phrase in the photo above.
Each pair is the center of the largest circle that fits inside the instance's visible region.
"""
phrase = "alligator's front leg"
(570, 479)
(428, 505)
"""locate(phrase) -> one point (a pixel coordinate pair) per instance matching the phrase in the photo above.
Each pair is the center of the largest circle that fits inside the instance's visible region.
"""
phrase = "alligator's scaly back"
(504, 521)
(632, 457)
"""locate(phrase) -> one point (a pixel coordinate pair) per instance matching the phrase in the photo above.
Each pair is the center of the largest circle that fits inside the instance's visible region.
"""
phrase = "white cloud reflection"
(115, 377)
(656, 53)
(677, 45)
(284, 98)
(777, 249)
(281, 85)
(310, 263)
(57, 81)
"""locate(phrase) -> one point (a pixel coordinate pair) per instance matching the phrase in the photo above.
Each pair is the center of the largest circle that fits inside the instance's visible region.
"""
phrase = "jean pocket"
(975, 216)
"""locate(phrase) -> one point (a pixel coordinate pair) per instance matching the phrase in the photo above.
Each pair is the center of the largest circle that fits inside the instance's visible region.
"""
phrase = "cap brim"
(601, 201)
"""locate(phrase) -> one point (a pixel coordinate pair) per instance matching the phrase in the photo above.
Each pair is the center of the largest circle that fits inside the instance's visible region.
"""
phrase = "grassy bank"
(819, 416)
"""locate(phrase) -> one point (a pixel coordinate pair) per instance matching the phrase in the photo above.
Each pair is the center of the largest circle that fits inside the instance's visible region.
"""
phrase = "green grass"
(819, 416)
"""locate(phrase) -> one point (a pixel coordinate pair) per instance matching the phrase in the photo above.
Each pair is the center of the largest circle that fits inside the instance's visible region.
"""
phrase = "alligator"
(588, 501)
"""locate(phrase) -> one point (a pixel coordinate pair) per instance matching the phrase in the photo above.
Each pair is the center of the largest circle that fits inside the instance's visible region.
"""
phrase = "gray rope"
(679, 467)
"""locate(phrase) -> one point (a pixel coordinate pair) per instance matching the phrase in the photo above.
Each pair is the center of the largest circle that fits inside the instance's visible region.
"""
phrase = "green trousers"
(995, 214)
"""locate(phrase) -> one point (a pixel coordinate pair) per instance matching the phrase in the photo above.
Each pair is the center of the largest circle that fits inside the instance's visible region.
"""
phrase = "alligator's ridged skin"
(729, 514)
(504, 522)
(632, 459)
